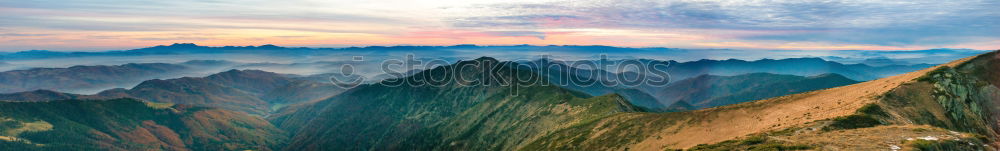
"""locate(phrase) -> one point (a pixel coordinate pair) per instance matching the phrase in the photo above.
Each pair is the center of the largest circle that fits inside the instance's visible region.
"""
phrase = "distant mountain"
(209, 63)
(250, 91)
(715, 90)
(711, 91)
(888, 70)
(385, 76)
(194, 91)
(300, 91)
(791, 66)
(680, 105)
(6, 66)
(177, 48)
(594, 82)
(931, 56)
(483, 115)
(875, 62)
(84, 79)
(344, 79)
(253, 81)
(42, 96)
(641, 99)
(125, 124)
(189, 48)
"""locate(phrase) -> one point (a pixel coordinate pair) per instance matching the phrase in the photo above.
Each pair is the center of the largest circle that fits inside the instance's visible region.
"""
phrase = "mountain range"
(949, 107)
(931, 56)
(710, 91)
(44, 95)
(790, 66)
(95, 79)
(251, 91)
(82, 79)
(487, 104)
(700, 91)
(90, 79)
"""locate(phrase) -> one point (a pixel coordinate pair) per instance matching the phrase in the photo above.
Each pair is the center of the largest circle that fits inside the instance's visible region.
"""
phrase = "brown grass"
(729, 122)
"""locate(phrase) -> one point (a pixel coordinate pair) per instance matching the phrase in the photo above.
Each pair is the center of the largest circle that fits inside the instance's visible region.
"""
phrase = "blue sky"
(794, 25)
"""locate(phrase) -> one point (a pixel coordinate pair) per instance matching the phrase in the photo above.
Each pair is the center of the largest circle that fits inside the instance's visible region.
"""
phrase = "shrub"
(754, 140)
(852, 122)
(873, 110)
(927, 145)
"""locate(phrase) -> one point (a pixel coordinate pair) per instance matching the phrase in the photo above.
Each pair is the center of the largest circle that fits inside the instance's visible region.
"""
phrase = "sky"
(89, 25)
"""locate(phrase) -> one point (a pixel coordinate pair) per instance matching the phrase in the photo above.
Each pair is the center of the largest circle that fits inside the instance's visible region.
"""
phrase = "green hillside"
(126, 124)
(481, 116)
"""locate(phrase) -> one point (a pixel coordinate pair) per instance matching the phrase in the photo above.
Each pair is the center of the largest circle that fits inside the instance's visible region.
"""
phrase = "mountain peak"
(184, 45)
(36, 96)
(829, 75)
(246, 71)
(808, 59)
(178, 46)
(485, 58)
(680, 106)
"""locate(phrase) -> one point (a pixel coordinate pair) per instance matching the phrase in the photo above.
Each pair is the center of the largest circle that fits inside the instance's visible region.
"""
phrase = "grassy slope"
(125, 124)
(962, 98)
(647, 131)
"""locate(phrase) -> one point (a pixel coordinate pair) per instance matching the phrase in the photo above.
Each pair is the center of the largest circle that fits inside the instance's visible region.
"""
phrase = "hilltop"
(957, 96)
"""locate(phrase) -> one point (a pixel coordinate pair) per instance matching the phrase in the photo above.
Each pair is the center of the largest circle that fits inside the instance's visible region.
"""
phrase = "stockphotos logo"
(517, 73)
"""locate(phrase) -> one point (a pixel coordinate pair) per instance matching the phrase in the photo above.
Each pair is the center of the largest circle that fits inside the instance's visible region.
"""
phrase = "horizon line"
(457, 45)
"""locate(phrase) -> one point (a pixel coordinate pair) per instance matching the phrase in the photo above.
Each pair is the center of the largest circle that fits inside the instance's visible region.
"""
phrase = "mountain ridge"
(248, 91)
(445, 117)
(82, 78)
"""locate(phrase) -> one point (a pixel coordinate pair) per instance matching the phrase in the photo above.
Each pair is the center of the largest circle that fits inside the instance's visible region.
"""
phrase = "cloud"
(783, 15)
(146, 15)
(22, 35)
(676, 23)
(539, 35)
(511, 21)
(468, 34)
(891, 23)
